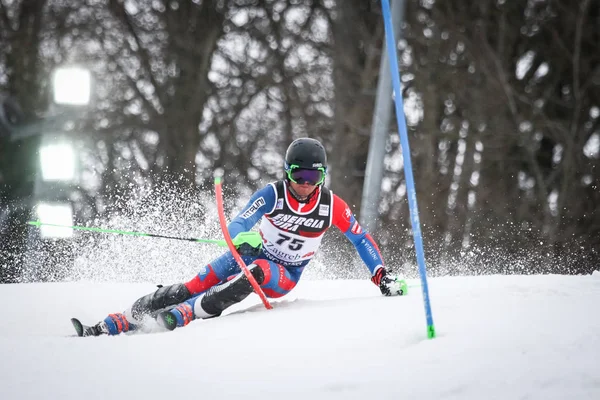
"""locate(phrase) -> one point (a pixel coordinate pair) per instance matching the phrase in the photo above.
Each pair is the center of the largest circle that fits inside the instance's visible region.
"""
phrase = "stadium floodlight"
(57, 161)
(55, 213)
(72, 86)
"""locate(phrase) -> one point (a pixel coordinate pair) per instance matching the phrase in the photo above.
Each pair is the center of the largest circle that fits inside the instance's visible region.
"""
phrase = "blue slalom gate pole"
(410, 183)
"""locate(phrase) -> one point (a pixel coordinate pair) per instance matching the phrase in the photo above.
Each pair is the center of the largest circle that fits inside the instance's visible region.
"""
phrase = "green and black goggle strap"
(300, 175)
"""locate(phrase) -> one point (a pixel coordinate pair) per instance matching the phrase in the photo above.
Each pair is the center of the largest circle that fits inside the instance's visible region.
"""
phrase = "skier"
(294, 213)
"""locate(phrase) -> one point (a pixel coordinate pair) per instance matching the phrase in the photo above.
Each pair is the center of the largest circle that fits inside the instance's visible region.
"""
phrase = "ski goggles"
(310, 176)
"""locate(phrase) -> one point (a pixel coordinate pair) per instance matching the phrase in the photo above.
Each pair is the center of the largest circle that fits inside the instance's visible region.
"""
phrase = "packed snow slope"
(499, 337)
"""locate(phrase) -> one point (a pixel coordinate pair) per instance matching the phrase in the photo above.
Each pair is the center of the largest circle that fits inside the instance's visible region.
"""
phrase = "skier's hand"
(248, 243)
(390, 285)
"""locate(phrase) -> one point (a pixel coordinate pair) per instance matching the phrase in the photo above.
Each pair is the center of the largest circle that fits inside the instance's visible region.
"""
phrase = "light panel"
(55, 213)
(57, 162)
(72, 86)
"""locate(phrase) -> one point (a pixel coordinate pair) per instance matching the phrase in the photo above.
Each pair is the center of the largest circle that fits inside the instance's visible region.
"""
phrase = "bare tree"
(357, 32)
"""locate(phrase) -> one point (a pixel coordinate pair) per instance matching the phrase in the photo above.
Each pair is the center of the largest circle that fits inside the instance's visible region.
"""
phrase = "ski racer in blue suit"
(293, 214)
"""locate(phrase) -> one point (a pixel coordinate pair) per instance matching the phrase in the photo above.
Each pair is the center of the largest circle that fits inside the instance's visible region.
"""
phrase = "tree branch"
(132, 83)
(4, 16)
(120, 13)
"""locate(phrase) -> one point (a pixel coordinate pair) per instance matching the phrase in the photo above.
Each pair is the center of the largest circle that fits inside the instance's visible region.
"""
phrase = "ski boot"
(176, 317)
(112, 325)
(84, 330)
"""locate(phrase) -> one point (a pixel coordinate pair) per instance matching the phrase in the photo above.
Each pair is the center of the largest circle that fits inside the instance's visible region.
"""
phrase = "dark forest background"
(502, 101)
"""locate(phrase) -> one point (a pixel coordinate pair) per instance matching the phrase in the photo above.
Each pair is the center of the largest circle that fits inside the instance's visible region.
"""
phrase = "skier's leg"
(167, 296)
(217, 299)
(214, 301)
(274, 279)
(214, 273)
(144, 307)
(279, 281)
(150, 304)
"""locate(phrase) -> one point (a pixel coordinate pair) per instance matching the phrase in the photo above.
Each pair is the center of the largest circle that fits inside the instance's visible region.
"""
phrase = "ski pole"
(220, 242)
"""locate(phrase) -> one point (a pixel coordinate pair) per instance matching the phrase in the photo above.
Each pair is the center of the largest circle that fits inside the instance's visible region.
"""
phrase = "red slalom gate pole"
(241, 263)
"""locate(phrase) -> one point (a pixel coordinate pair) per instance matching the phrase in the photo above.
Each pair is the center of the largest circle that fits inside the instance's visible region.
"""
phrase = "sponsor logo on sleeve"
(347, 214)
(370, 249)
(356, 228)
(258, 203)
(324, 210)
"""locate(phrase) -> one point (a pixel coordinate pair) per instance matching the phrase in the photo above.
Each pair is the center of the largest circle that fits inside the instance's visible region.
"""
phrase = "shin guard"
(165, 296)
(218, 298)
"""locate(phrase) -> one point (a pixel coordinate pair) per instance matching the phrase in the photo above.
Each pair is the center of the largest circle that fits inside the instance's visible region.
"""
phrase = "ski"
(85, 330)
(79, 327)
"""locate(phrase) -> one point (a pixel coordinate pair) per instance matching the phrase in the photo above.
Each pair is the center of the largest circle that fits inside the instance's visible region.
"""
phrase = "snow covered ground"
(499, 337)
